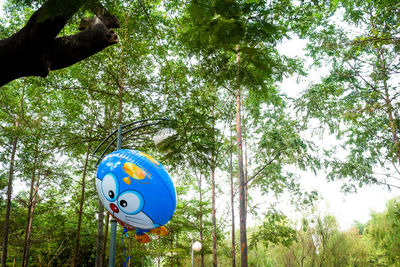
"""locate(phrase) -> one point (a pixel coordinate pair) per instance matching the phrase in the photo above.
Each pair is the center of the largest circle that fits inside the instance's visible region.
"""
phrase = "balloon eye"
(130, 202)
(110, 187)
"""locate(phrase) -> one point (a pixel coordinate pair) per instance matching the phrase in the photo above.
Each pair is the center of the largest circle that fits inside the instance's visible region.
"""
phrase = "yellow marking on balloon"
(127, 180)
(134, 171)
(150, 158)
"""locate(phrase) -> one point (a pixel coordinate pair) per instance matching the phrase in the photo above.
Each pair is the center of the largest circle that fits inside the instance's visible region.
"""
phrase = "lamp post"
(196, 246)
(120, 132)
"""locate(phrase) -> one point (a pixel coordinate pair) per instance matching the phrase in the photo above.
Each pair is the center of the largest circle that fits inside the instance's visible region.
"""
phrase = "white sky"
(347, 208)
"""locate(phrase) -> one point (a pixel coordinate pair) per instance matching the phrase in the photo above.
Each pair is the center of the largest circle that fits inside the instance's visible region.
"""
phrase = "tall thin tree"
(242, 195)
(82, 199)
(31, 203)
(232, 209)
(14, 143)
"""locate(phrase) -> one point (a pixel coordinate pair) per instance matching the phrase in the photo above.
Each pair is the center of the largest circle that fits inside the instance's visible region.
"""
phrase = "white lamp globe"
(196, 246)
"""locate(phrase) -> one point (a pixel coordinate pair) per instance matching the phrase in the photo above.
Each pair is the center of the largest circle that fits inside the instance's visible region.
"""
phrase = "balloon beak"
(114, 208)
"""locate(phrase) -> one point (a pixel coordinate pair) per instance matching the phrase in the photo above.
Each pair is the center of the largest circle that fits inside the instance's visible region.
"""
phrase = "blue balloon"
(136, 189)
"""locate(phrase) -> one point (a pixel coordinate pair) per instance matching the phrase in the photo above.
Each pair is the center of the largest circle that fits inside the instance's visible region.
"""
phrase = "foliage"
(274, 231)
(320, 243)
(382, 229)
(357, 100)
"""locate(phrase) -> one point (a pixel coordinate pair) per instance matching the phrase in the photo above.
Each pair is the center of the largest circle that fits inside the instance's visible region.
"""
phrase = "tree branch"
(265, 166)
(36, 50)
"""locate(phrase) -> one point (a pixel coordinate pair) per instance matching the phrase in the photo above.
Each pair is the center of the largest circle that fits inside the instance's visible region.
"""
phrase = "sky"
(346, 207)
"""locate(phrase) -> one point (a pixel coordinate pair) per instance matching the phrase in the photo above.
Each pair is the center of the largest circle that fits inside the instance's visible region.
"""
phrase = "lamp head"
(196, 246)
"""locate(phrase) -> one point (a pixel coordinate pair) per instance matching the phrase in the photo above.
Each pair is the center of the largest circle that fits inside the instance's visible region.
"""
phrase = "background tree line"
(318, 241)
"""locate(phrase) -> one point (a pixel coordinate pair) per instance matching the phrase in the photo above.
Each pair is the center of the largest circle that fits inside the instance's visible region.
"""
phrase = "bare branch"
(265, 166)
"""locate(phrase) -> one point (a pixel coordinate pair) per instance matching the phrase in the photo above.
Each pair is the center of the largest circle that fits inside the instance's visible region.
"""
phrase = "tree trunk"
(143, 256)
(36, 50)
(171, 248)
(233, 213)
(389, 105)
(25, 259)
(245, 159)
(158, 252)
(82, 200)
(213, 218)
(242, 200)
(105, 238)
(388, 100)
(32, 197)
(99, 239)
(8, 207)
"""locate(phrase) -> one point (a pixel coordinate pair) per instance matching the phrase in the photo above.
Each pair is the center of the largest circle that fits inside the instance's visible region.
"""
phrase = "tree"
(319, 242)
(275, 230)
(358, 100)
(36, 50)
(11, 129)
(232, 196)
(14, 143)
(178, 60)
(82, 198)
(219, 33)
(381, 231)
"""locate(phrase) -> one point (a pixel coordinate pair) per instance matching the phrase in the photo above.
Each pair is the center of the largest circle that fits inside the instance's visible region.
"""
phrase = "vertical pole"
(113, 230)
(119, 137)
(113, 237)
(191, 247)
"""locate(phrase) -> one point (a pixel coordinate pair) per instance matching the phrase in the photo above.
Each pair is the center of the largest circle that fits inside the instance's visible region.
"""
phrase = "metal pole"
(119, 140)
(113, 239)
(113, 232)
(191, 247)
(192, 256)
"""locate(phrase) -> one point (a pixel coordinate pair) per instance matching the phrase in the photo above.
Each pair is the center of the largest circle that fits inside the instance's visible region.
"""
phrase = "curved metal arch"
(120, 132)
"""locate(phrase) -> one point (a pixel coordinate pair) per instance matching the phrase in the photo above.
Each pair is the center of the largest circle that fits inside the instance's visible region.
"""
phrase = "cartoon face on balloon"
(136, 189)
